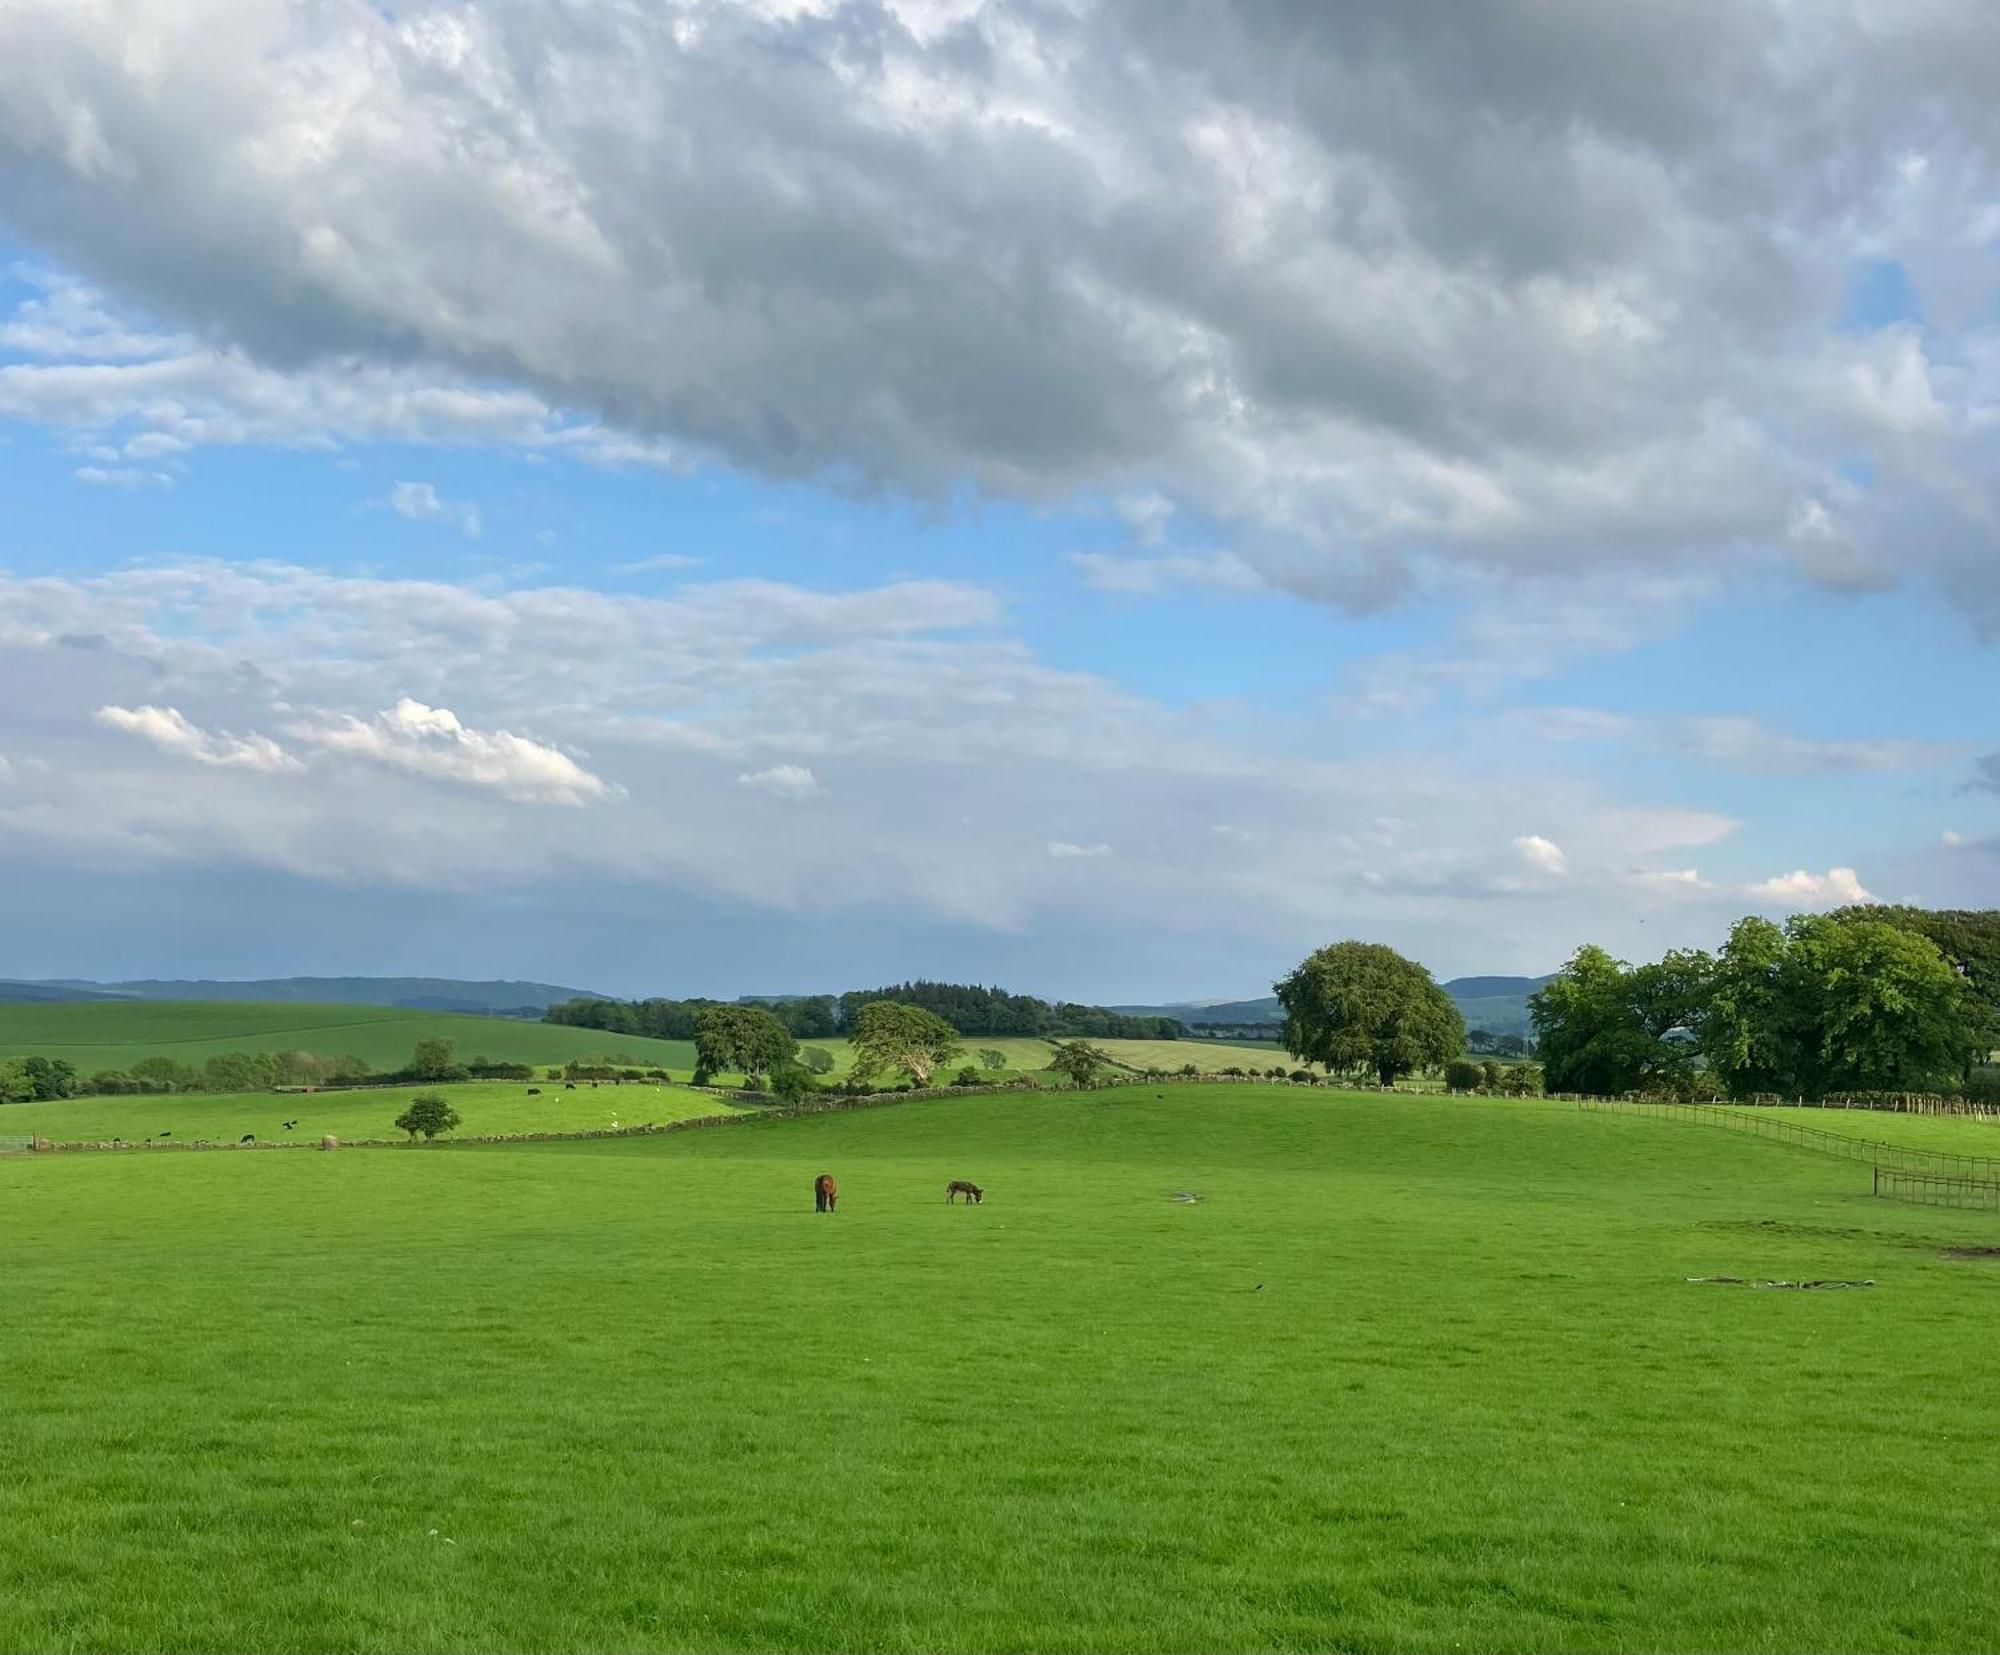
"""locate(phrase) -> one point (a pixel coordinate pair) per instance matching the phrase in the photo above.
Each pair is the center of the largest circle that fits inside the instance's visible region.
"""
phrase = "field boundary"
(1901, 1157)
(824, 1105)
(1932, 1190)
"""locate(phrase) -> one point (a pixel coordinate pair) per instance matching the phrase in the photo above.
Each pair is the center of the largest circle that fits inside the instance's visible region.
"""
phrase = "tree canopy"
(1605, 1027)
(748, 1040)
(1361, 1005)
(429, 1113)
(887, 1034)
(1080, 1063)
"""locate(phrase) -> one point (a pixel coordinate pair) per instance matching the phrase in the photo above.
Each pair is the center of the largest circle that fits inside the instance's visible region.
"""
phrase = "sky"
(1099, 496)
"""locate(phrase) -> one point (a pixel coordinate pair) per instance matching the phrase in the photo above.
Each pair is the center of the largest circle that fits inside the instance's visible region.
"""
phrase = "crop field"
(1404, 1374)
(96, 1036)
(484, 1107)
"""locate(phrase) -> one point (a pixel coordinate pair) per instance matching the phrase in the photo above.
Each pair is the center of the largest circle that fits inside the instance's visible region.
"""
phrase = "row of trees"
(1825, 1004)
(39, 1079)
(967, 1008)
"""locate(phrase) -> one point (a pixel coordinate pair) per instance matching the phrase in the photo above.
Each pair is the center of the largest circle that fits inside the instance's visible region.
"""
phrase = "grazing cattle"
(569, 1086)
(166, 1134)
(965, 1187)
(247, 1138)
(534, 1091)
(826, 1193)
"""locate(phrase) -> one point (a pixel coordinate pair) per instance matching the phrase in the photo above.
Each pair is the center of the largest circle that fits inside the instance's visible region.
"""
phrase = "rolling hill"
(1496, 1004)
(499, 997)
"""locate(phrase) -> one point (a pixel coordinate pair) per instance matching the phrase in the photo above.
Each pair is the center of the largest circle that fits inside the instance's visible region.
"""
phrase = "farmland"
(484, 1107)
(1407, 1374)
(113, 1035)
(101, 1035)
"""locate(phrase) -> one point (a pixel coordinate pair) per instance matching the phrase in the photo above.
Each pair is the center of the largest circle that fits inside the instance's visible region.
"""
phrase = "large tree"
(1605, 1027)
(1889, 1011)
(747, 1040)
(887, 1034)
(1360, 1005)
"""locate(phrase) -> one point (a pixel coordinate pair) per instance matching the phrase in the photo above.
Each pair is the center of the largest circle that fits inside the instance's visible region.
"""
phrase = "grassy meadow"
(1409, 1374)
(110, 1035)
(113, 1035)
(484, 1107)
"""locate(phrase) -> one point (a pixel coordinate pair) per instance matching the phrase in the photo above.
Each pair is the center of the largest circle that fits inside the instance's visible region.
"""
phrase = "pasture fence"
(1902, 1157)
(1932, 1190)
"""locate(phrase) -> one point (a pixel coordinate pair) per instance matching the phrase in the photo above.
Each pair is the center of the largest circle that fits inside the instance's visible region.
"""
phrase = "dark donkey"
(964, 1187)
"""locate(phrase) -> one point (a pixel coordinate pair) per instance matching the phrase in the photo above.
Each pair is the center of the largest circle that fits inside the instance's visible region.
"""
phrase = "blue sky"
(1098, 541)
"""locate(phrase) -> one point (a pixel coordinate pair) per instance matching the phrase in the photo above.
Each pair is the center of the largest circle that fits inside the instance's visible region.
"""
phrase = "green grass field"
(1957, 1134)
(484, 1107)
(96, 1036)
(1411, 1374)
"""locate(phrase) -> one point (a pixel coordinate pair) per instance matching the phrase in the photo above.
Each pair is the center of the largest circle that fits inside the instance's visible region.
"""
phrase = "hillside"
(1496, 1004)
(115, 1034)
(424, 993)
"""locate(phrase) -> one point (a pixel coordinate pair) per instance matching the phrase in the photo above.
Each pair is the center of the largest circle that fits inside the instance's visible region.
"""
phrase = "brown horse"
(964, 1187)
(825, 1193)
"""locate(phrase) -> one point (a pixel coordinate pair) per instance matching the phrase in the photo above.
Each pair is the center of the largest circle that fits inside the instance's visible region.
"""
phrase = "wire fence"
(1903, 1157)
(1935, 1191)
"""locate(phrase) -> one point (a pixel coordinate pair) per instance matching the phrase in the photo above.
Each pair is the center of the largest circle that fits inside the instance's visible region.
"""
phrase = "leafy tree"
(791, 1082)
(1605, 1027)
(429, 1113)
(1079, 1062)
(238, 1072)
(1891, 1014)
(991, 1058)
(432, 1060)
(1968, 938)
(746, 1039)
(166, 1074)
(1753, 1024)
(968, 1076)
(1362, 1005)
(887, 1034)
(1463, 1075)
(817, 1060)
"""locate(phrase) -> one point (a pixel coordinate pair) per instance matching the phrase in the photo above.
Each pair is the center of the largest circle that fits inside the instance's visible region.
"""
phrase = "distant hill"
(497, 998)
(1496, 1004)
(48, 994)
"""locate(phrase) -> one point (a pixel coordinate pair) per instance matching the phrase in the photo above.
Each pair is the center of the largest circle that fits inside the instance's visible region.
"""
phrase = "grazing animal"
(166, 1134)
(290, 1124)
(961, 1186)
(569, 1086)
(534, 1091)
(247, 1138)
(826, 1193)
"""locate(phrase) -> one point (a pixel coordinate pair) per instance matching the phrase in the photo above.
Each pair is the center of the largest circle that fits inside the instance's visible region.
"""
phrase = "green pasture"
(1409, 1374)
(484, 1107)
(1957, 1134)
(113, 1035)
(110, 1035)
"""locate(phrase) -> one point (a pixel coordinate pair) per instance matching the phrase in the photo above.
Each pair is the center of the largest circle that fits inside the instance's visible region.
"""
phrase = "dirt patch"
(1793, 1286)
(1969, 1252)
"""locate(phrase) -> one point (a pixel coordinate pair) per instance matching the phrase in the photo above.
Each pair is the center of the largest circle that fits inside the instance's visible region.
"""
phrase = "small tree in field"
(1080, 1063)
(991, 1058)
(429, 1113)
(1461, 1074)
(890, 1035)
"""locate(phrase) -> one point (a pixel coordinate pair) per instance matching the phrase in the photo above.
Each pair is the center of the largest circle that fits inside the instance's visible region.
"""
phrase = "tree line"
(968, 1008)
(1862, 1000)
(46, 1079)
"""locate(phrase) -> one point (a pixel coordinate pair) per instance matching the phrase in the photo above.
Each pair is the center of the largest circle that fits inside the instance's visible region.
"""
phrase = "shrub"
(790, 1082)
(1461, 1074)
(1523, 1080)
(817, 1060)
(968, 1076)
(1233, 1072)
(1189, 1070)
(1982, 1086)
(1275, 1072)
(1491, 1074)
(1300, 1077)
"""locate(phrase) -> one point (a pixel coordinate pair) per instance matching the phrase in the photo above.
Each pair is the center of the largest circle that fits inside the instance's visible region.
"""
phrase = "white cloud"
(661, 562)
(170, 731)
(122, 476)
(421, 503)
(1293, 271)
(1812, 890)
(785, 781)
(1951, 838)
(431, 742)
(1062, 850)
(1540, 854)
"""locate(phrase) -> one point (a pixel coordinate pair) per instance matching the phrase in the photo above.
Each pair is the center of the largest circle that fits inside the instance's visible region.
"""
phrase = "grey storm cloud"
(1379, 290)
